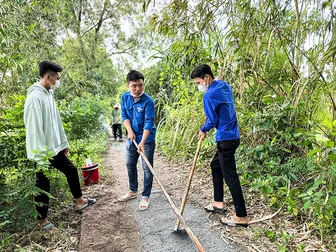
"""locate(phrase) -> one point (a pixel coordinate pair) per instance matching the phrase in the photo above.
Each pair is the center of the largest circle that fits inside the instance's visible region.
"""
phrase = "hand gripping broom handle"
(176, 211)
(191, 174)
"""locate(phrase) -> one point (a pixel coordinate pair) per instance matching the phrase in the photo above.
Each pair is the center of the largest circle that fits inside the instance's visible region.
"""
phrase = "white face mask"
(203, 87)
(54, 87)
(137, 96)
(57, 84)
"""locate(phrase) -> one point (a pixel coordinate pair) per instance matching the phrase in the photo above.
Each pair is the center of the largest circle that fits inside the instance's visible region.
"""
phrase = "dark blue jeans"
(132, 156)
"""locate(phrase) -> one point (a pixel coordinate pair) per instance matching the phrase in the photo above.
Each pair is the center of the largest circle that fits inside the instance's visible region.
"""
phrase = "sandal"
(212, 209)
(49, 227)
(144, 204)
(230, 222)
(127, 197)
(88, 203)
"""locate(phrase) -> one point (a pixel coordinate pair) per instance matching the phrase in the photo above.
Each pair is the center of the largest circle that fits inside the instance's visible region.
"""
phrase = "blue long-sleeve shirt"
(140, 113)
(220, 111)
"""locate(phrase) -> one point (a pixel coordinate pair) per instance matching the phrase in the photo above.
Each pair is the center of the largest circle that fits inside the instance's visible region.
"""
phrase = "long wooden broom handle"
(176, 211)
(191, 174)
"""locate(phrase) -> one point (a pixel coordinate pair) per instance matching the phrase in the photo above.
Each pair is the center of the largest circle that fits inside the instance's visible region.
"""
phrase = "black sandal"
(212, 209)
(87, 204)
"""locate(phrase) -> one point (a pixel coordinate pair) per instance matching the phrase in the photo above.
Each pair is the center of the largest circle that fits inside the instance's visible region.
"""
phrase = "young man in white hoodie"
(45, 137)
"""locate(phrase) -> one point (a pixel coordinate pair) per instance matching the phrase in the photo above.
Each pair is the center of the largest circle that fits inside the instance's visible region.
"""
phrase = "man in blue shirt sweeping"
(220, 112)
(137, 111)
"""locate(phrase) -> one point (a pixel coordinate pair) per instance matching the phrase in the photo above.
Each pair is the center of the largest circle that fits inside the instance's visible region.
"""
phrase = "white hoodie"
(44, 130)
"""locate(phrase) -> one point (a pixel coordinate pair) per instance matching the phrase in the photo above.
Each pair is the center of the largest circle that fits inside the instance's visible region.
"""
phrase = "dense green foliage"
(17, 201)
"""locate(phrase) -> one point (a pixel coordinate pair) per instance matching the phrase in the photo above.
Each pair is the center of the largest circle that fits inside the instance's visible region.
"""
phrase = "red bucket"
(90, 174)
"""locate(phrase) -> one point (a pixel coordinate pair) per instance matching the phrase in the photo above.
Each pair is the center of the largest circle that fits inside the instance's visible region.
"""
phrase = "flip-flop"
(87, 204)
(126, 197)
(49, 227)
(143, 205)
(230, 222)
(212, 209)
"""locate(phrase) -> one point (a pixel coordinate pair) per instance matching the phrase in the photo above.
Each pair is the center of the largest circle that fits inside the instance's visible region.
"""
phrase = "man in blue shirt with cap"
(137, 110)
(220, 112)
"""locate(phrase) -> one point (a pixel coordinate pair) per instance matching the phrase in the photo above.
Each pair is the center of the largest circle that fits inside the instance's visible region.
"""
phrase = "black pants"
(116, 127)
(63, 164)
(223, 165)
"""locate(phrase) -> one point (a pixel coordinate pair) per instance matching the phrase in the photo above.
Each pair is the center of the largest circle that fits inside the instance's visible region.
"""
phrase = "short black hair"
(134, 75)
(48, 66)
(201, 71)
